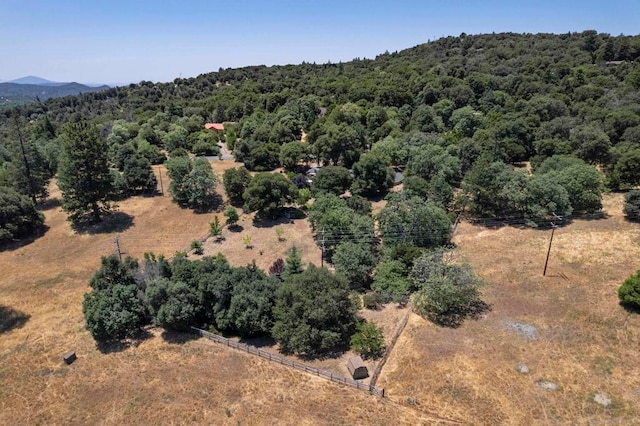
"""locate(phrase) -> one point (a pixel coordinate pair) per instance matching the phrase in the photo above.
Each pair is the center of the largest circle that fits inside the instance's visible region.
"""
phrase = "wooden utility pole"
(161, 186)
(323, 248)
(116, 240)
(553, 228)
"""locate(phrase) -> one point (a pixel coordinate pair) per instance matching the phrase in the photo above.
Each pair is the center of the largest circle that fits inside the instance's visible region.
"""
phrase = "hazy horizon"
(124, 42)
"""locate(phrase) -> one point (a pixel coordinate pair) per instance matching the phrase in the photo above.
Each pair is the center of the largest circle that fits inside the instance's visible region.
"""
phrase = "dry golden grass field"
(586, 343)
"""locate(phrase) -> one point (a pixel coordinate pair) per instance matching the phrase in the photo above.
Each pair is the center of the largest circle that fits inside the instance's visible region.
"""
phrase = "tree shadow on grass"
(454, 318)
(600, 215)
(213, 205)
(259, 341)
(235, 228)
(334, 353)
(285, 215)
(11, 319)
(115, 346)
(24, 241)
(50, 204)
(630, 308)
(179, 337)
(114, 222)
(522, 223)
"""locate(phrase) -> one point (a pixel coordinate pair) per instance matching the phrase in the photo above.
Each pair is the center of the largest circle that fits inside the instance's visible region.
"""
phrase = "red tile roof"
(214, 126)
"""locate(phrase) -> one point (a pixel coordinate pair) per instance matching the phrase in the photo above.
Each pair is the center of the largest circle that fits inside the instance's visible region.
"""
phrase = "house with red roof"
(214, 126)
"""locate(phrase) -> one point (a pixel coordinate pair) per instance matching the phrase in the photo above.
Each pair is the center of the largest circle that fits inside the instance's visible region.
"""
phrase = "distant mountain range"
(30, 79)
(30, 88)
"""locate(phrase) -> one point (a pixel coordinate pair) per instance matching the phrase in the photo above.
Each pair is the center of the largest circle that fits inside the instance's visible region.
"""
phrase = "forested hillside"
(457, 112)
(12, 94)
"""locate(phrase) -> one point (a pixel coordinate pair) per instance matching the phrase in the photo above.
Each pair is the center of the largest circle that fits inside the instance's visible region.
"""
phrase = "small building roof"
(357, 368)
(313, 171)
(214, 126)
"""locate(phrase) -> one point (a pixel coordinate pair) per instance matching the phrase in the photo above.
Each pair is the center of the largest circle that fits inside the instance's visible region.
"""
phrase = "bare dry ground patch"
(583, 341)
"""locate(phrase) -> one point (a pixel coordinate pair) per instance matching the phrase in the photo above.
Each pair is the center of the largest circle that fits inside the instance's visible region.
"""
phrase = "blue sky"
(120, 41)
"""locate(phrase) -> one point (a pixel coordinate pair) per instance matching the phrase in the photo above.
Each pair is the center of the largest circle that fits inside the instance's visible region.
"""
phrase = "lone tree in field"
(232, 215)
(83, 173)
(447, 292)
(193, 183)
(293, 264)
(139, 174)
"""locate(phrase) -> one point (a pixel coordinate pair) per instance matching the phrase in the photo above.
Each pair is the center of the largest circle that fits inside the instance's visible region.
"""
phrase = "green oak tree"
(268, 192)
(18, 215)
(235, 181)
(314, 313)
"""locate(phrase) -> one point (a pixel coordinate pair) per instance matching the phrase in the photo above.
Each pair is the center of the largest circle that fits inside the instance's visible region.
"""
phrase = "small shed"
(357, 368)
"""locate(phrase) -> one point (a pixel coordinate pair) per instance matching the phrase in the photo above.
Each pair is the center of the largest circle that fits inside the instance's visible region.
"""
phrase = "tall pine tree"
(83, 175)
(28, 168)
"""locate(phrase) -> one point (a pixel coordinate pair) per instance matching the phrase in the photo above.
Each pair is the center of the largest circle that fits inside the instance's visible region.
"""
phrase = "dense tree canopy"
(355, 261)
(193, 183)
(314, 312)
(114, 308)
(372, 175)
(18, 215)
(235, 181)
(268, 192)
(334, 179)
(414, 221)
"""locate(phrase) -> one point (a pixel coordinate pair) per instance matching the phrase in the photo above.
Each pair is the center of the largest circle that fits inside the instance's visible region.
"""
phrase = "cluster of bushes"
(309, 312)
(408, 261)
(632, 205)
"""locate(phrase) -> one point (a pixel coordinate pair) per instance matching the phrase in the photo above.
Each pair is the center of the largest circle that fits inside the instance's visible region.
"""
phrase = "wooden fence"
(394, 339)
(293, 364)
